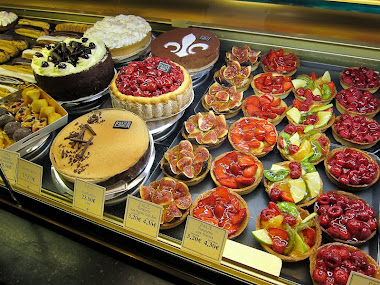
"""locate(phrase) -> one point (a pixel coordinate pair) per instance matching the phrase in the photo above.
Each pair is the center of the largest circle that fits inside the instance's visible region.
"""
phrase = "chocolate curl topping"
(88, 127)
(88, 143)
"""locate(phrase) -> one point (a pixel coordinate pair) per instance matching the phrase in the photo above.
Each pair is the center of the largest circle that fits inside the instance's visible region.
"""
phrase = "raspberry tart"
(244, 55)
(241, 172)
(173, 195)
(287, 231)
(292, 181)
(265, 106)
(234, 75)
(361, 78)
(344, 217)
(351, 169)
(256, 136)
(152, 88)
(206, 129)
(276, 84)
(298, 143)
(356, 131)
(280, 61)
(223, 208)
(186, 163)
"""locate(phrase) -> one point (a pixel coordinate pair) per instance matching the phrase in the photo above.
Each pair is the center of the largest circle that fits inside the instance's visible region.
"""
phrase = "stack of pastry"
(32, 28)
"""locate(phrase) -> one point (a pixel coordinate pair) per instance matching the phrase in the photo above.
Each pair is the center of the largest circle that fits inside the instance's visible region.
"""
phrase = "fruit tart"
(351, 169)
(292, 181)
(240, 171)
(357, 102)
(245, 56)
(320, 116)
(287, 231)
(299, 143)
(223, 208)
(332, 264)
(345, 217)
(256, 136)
(186, 163)
(320, 90)
(276, 84)
(205, 129)
(361, 78)
(280, 61)
(234, 75)
(222, 100)
(173, 196)
(356, 131)
(265, 106)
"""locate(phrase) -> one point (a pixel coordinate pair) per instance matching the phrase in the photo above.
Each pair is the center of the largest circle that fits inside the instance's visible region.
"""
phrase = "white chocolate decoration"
(187, 46)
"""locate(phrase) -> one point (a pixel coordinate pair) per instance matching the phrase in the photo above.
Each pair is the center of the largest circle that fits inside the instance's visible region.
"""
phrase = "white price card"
(361, 279)
(9, 163)
(89, 198)
(29, 176)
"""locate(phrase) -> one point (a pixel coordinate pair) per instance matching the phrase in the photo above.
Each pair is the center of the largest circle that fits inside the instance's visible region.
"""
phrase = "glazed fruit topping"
(273, 83)
(279, 61)
(144, 79)
(361, 77)
(313, 88)
(222, 99)
(245, 56)
(234, 74)
(355, 100)
(264, 107)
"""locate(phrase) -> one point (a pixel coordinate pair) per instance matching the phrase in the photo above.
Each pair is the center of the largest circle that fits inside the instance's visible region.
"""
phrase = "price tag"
(9, 163)
(29, 176)
(89, 198)
(142, 217)
(204, 240)
(361, 279)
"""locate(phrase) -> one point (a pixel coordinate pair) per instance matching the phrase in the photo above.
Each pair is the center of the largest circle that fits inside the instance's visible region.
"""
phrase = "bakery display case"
(315, 36)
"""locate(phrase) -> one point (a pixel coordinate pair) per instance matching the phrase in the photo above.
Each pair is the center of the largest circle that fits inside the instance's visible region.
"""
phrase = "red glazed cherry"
(319, 276)
(334, 211)
(340, 276)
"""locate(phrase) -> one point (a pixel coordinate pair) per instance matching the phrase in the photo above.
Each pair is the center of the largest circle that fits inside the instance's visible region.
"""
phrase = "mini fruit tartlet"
(239, 171)
(276, 84)
(287, 231)
(332, 264)
(280, 61)
(223, 208)
(222, 100)
(186, 163)
(357, 102)
(245, 56)
(361, 78)
(256, 136)
(321, 117)
(292, 181)
(344, 217)
(205, 129)
(351, 169)
(234, 75)
(320, 90)
(173, 195)
(298, 143)
(356, 131)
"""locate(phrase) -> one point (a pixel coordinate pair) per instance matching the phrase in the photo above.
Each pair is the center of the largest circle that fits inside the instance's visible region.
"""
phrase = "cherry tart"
(265, 106)
(344, 217)
(255, 136)
(276, 84)
(357, 102)
(356, 131)
(205, 129)
(186, 163)
(299, 143)
(287, 231)
(292, 181)
(361, 78)
(280, 61)
(351, 169)
(234, 75)
(223, 208)
(173, 195)
(244, 55)
(332, 264)
(222, 100)
(241, 172)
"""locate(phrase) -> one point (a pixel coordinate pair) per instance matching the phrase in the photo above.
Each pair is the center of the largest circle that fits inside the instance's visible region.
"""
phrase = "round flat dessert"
(194, 48)
(101, 146)
(7, 20)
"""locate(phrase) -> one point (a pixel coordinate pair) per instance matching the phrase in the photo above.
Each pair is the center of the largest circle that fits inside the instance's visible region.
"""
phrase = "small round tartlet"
(223, 208)
(265, 106)
(345, 217)
(173, 195)
(187, 163)
(241, 172)
(360, 77)
(276, 84)
(234, 75)
(362, 170)
(256, 136)
(287, 65)
(244, 55)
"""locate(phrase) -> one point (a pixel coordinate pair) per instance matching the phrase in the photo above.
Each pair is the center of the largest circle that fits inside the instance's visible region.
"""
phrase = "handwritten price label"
(89, 198)
(9, 163)
(142, 217)
(361, 279)
(203, 239)
(29, 176)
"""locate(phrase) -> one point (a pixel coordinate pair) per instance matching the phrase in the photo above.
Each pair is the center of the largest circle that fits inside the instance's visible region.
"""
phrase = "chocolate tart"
(234, 75)
(323, 129)
(344, 110)
(297, 65)
(281, 95)
(346, 86)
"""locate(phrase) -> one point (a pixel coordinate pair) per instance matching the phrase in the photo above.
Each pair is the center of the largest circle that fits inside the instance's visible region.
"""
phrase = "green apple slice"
(323, 118)
(326, 77)
(262, 236)
(298, 83)
(297, 189)
(294, 114)
(295, 139)
(313, 183)
(317, 91)
(299, 244)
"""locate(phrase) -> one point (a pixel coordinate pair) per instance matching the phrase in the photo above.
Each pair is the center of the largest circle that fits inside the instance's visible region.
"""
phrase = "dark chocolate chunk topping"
(84, 40)
(38, 54)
